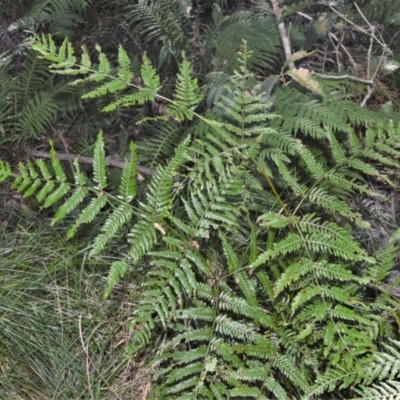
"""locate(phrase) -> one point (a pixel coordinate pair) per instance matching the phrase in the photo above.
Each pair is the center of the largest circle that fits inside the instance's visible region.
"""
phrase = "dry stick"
(345, 76)
(336, 47)
(372, 33)
(357, 27)
(110, 161)
(282, 32)
(349, 56)
(61, 136)
(369, 57)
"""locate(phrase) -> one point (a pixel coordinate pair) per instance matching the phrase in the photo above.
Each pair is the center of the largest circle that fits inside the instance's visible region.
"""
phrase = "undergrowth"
(58, 339)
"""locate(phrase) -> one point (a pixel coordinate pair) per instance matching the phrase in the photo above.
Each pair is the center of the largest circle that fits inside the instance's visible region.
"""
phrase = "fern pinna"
(256, 283)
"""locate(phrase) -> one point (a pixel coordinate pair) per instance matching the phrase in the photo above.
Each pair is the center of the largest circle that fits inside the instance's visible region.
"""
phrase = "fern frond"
(76, 198)
(115, 221)
(88, 214)
(320, 269)
(241, 307)
(331, 380)
(385, 364)
(382, 367)
(36, 72)
(257, 280)
(160, 142)
(187, 96)
(388, 390)
(247, 286)
(5, 171)
(161, 23)
(226, 34)
(99, 164)
(62, 16)
(210, 210)
(127, 188)
(63, 59)
(159, 201)
(151, 85)
(118, 270)
(37, 114)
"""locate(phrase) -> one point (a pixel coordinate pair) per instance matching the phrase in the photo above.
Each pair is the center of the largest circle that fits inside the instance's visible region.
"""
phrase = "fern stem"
(272, 186)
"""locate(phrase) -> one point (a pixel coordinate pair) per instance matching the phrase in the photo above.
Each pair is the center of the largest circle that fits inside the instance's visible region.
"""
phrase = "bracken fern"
(257, 285)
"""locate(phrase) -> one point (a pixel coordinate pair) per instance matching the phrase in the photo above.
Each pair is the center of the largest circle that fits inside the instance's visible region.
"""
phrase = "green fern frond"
(226, 34)
(37, 114)
(99, 164)
(119, 217)
(385, 260)
(29, 181)
(309, 293)
(161, 140)
(313, 243)
(381, 366)
(385, 364)
(5, 171)
(331, 203)
(88, 214)
(256, 281)
(36, 72)
(150, 79)
(143, 236)
(331, 380)
(242, 307)
(118, 270)
(64, 58)
(320, 269)
(49, 185)
(187, 96)
(79, 194)
(210, 210)
(62, 16)
(388, 390)
(127, 188)
(159, 202)
(247, 286)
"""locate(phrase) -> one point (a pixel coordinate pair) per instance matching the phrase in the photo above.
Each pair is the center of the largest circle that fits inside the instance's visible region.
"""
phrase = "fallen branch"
(282, 32)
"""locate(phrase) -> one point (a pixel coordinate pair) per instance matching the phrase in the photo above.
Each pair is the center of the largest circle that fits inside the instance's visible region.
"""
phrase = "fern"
(186, 96)
(31, 101)
(62, 16)
(225, 35)
(159, 201)
(258, 285)
(383, 367)
(50, 186)
(65, 62)
(161, 140)
(161, 24)
(310, 267)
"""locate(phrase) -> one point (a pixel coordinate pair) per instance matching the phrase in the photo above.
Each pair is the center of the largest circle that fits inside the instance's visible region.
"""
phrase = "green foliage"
(49, 186)
(65, 62)
(386, 12)
(31, 101)
(258, 286)
(226, 32)
(44, 349)
(162, 25)
(62, 16)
